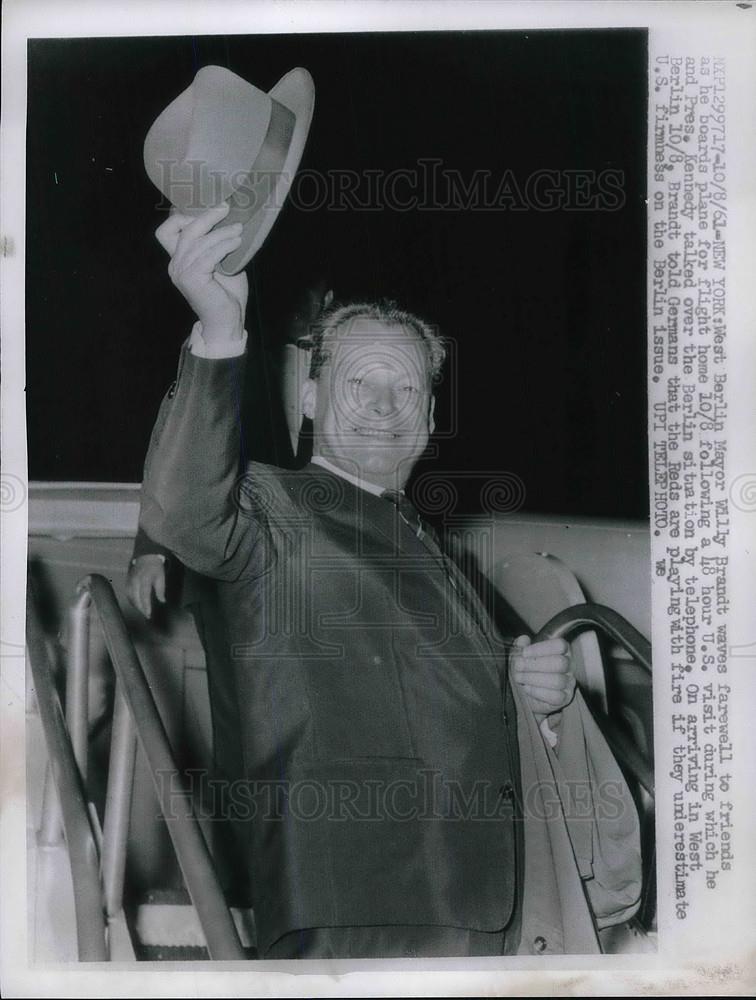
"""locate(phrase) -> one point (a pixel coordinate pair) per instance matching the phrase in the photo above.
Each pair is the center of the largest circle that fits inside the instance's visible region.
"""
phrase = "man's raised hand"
(196, 249)
(542, 669)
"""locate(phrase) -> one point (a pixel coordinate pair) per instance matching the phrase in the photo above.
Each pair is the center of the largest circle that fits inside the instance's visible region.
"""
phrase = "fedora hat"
(224, 140)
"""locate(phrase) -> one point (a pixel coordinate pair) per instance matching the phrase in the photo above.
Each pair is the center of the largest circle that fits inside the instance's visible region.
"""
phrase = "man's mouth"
(374, 433)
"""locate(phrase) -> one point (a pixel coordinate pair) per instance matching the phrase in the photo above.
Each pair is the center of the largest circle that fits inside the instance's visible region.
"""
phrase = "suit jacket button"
(377, 661)
(540, 945)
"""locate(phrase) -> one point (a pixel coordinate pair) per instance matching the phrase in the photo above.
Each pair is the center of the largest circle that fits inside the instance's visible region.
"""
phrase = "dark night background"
(547, 308)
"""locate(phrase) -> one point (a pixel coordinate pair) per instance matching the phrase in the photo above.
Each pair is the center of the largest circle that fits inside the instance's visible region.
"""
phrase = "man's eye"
(355, 381)
(409, 388)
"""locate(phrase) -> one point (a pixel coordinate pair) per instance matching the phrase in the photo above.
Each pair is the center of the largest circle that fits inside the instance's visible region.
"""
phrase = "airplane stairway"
(87, 902)
(78, 866)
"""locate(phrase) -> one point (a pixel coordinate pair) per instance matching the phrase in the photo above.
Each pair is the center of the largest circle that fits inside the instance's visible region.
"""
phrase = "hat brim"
(296, 91)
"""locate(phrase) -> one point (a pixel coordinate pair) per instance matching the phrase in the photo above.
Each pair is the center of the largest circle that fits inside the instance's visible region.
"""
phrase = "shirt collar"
(361, 484)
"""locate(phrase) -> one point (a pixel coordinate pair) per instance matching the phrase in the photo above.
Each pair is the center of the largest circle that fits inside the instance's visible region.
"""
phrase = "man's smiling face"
(371, 405)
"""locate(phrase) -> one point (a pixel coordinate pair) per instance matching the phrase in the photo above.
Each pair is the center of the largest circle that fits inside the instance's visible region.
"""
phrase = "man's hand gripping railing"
(580, 617)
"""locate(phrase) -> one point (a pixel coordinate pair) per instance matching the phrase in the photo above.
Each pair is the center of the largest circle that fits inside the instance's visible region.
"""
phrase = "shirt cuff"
(218, 349)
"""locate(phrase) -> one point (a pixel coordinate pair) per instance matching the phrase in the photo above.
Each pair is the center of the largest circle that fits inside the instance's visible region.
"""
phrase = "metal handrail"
(115, 834)
(122, 759)
(577, 619)
(80, 838)
(583, 616)
(189, 844)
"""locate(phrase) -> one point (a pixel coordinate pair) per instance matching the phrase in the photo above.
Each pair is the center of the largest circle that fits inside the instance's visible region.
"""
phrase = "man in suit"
(385, 731)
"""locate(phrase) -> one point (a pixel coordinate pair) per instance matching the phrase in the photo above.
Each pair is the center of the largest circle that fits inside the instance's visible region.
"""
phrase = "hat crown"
(208, 136)
(223, 139)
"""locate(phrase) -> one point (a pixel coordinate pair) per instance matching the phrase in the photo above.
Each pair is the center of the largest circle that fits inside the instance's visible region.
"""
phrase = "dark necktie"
(409, 514)
(405, 508)
(428, 536)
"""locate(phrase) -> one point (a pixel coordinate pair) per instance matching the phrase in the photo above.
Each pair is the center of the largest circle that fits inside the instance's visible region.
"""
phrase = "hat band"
(256, 188)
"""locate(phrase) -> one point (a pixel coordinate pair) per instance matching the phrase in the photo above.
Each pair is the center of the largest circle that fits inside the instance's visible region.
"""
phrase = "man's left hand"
(542, 669)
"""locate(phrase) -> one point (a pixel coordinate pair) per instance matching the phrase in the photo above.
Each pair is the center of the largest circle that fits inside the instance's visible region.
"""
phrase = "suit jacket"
(379, 732)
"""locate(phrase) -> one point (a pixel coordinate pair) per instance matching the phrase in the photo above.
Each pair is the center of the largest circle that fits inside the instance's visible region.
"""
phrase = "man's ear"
(431, 411)
(328, 299)
(309, 397)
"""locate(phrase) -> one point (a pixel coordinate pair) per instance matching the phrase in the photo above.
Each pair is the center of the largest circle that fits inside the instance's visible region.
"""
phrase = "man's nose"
(380, 400)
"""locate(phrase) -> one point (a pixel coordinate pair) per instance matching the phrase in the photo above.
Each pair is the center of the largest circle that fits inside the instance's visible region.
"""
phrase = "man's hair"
(383, 311)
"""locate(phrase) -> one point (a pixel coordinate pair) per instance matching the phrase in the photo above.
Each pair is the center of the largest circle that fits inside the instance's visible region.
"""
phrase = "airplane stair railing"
(98, 861)
(81, 839)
